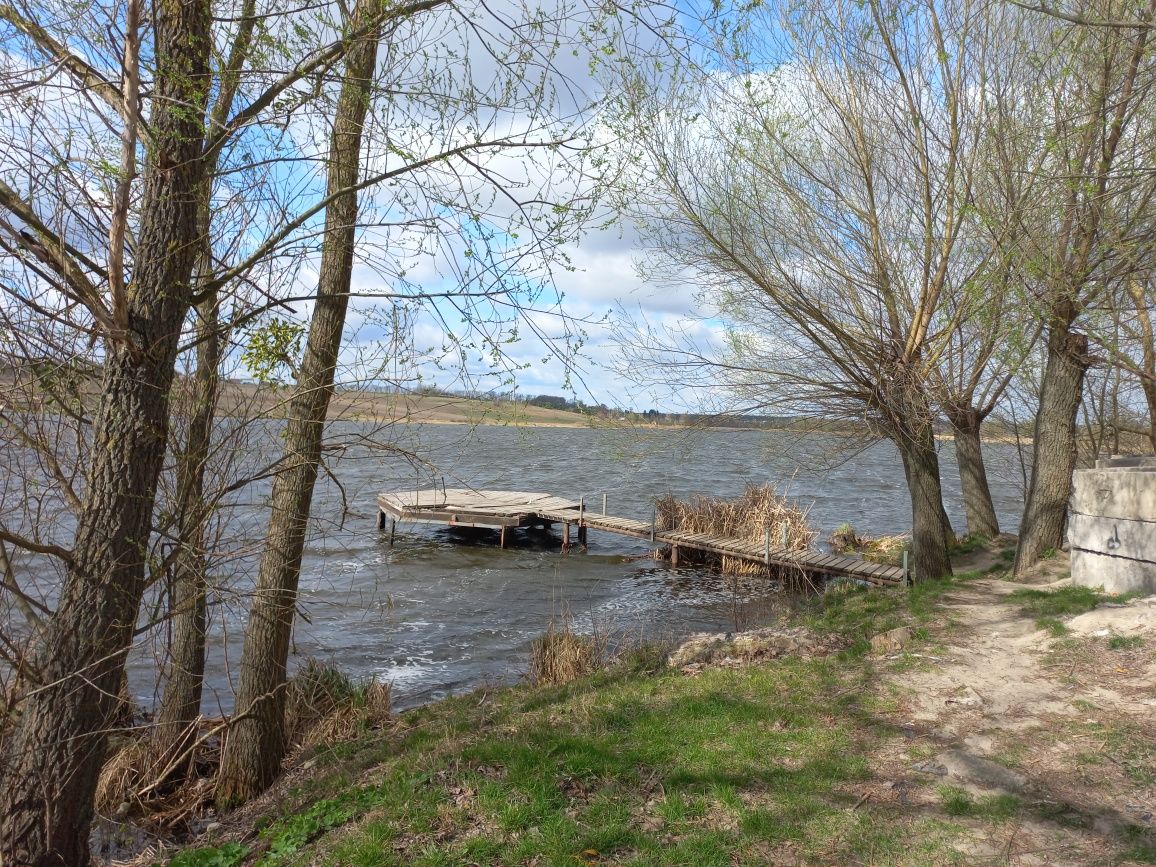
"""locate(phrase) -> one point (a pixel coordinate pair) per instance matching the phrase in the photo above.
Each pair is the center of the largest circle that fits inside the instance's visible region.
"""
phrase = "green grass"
(958, 802)
(969, 543)
(657, 770)
(1053, 625)
(1069, 600)
(637, 765)
(857, 613)
(640, 765)
(1125, 642)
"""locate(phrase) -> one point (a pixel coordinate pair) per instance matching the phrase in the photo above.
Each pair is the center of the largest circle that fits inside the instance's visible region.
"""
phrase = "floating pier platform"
(502, 510)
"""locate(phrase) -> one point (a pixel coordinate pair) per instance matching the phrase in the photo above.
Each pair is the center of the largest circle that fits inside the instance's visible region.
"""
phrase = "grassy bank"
(781, 762)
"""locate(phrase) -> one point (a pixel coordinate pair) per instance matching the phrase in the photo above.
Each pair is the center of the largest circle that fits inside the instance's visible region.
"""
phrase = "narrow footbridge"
(502, 510)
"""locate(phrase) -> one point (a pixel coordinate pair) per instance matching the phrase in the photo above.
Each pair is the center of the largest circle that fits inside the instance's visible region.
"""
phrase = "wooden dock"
(501, 510)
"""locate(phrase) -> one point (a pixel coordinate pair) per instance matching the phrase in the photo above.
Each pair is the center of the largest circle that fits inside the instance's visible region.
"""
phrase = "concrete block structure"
(1112, 525)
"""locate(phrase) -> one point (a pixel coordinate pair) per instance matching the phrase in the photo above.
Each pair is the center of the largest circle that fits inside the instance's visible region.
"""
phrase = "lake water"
(437, 614)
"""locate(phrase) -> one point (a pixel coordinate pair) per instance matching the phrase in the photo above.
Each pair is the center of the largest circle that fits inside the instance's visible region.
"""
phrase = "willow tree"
(109, 156)
(467, 139)
(998, 330)
(54, 753)
(818, 187)
(1090, 88)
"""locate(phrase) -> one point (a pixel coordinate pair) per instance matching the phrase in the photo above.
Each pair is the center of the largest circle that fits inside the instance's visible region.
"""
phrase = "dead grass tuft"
(560, 655)
(121, 776)
(746, 517)
(323, 705)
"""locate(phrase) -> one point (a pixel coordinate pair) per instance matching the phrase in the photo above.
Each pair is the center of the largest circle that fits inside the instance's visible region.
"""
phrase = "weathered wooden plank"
(469, 507)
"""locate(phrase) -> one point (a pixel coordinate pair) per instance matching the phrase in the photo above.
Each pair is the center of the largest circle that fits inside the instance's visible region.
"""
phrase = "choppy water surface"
(438, 613)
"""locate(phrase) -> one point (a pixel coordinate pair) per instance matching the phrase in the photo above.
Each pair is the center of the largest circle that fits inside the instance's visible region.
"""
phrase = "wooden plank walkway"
(501, 510)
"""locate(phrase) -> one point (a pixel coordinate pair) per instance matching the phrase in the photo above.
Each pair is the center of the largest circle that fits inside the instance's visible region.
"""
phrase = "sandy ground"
(1065, 724)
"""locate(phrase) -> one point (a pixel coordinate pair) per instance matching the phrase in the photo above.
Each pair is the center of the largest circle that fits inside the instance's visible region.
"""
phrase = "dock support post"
(674, 556)
(381, 519)
(566, 536)
(582, 536)
(767, 547)
(653, 522)
(502, 537)
(603, 504)
(392, 530)
(906, 574)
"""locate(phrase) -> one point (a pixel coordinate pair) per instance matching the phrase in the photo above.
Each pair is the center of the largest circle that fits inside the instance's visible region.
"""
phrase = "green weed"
(1073, 599)
(958, 802)
(1052, 625)
(228, 855)
(1125, 642)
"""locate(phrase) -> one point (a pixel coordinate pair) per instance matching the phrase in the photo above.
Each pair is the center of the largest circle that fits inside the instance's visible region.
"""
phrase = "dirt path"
(1001, 715)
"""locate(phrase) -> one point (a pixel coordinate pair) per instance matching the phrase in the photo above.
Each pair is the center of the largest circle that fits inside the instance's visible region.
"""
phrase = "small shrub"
(969, 543)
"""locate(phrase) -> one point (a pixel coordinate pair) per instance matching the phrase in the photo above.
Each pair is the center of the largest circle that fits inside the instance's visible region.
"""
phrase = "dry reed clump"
(121, 776)
(746, 517)
(881, 549)
(166, 788)
(560, 655)
(163, 787)
(322, 705)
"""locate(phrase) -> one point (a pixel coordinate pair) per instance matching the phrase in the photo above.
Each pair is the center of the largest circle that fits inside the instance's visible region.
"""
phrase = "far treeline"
(903, 215)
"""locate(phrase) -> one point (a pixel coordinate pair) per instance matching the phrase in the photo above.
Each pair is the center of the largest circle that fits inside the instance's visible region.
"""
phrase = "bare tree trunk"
(256, 743)
(181, 702)
(977, 502)
(1148, 358)
(930, 529)
(56, 750)
(1054, 450)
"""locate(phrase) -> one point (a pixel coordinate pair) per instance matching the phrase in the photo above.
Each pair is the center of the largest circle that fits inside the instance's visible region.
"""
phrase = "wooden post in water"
(502, 537)
(392, 530)
(381, 519)
(566, 536)
(653, 522)
(674, 556)
(603, 504)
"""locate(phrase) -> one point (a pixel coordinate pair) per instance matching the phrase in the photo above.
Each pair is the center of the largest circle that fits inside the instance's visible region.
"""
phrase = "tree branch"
(35, 547)
(87, 76)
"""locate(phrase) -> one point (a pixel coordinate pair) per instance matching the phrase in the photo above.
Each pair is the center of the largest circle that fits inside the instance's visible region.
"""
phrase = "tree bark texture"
(1054, 449)
(54, 754)
(1147, 377)
(184, 676)
(977, 503)
(256, 743)
(930, 529)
